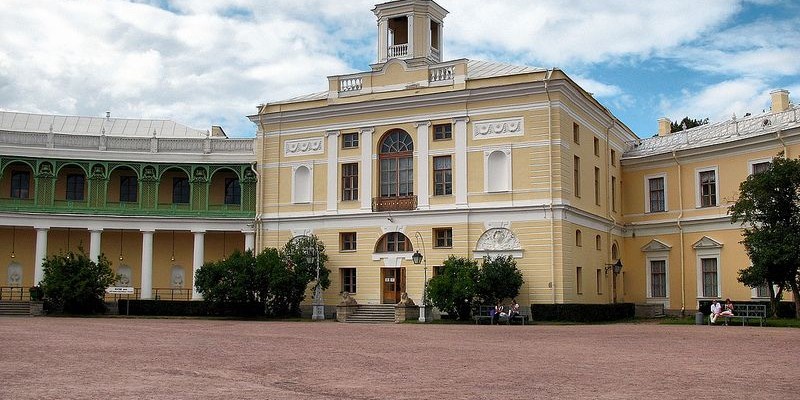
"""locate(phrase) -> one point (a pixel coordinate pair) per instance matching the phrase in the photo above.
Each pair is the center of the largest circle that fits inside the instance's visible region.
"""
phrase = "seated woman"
(498, 312)
(513, 310)
(728, 312)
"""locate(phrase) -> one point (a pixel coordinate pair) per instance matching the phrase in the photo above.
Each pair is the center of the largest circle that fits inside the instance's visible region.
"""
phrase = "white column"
(147, 265)
(249, 240)
(94, 243)
(197, 260)
(365, 190)
(333, 169)
(383, 40)
(460, 181)
(410, 28)
(423, 167)
(41, 253)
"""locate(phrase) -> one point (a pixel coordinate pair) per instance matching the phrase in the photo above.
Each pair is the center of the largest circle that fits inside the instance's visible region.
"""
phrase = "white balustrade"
(350, 84)
(441, 74)
(398, 50)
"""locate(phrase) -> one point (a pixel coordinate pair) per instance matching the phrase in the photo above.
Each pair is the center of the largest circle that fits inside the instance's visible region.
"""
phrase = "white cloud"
(719, 101)
(597, 88)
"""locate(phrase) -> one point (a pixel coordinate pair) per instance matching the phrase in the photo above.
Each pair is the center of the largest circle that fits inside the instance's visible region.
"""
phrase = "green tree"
(686, 123)
(499, 279)
(296, 254)
(232, 280)
(75, 284)
(768, 208)
(454, 290)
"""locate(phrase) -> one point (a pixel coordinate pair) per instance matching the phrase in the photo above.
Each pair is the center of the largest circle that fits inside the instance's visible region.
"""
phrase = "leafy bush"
(582, 312)
(75, 284)
(454, 290)
(499, 279)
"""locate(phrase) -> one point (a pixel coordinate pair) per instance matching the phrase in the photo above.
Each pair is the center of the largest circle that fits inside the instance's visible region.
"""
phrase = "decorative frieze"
(302, 147)
(497, 128)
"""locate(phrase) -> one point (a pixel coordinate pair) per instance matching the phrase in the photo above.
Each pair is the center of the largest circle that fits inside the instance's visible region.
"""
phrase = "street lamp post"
(418, 258)
(615, 270)
(318, 305)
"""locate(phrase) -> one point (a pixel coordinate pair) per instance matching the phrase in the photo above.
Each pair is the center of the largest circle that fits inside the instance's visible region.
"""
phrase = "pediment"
(656, 245)
(495, 239)
(707, 243)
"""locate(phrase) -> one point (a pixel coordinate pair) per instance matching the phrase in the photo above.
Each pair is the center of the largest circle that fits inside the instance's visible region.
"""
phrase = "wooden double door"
(393, 284)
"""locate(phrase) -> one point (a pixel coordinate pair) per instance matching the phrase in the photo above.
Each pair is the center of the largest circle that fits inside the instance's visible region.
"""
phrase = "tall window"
(613, 157)
(442, 237)
(349, 181)
(598, 243)
(708, 188)
(597, 147)
(233, 191)
(598, 278)
(576, 133)
(349, 140)
(442, 176)
(128, 188)
(597, 186)
(578, 238)
(347, 241)
(20, 184)
(442, 131)
(656, 194)
(613, 193)
(75, 185)
(658, 278)
(579, 280)
(709, 266)
(180, 190)
(396, 164)
(576, 175)
(761, 167)
(348, 280)
(393, 242)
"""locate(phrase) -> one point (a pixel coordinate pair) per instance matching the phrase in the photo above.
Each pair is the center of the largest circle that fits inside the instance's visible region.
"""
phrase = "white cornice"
(102, 222)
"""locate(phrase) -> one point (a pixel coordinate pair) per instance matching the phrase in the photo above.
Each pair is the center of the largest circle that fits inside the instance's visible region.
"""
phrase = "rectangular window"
(128, 188)
(442, 131)
(347, 241)
(75, 186)
(576, 133)
(597, 186)
(442, 237)
(442, 176)
(761, 167)
(656, 193)
(20, 184)
(613, 193)
(763, 290)
(349, 140)
(597, 147)
(233, 191)
(599, 280)
(658, 278)
(709, 266)
(576, 175)
(348, 280)
(708, 188)
(349, 181)
(438, 270)
(613, 157)
(579, 280)
(180, 190)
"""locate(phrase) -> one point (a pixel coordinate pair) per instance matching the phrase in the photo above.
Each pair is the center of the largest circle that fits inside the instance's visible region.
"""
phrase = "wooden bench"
(746, 312)
(486, 313)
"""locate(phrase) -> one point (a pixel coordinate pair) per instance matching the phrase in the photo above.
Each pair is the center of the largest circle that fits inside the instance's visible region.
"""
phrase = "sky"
(211, 62)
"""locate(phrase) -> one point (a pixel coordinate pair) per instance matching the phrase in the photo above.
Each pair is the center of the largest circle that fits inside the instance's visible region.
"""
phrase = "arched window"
(393, 242)
(233, 191)
(396, 164)
(578, 238)
(614, 252)
(302, 185)
(497, 172)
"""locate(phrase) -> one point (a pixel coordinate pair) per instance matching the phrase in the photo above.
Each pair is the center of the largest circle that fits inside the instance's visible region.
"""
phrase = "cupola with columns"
(410, 30)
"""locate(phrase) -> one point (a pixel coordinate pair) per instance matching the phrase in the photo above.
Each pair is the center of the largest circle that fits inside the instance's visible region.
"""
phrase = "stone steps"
(15, 307)
(373, 314)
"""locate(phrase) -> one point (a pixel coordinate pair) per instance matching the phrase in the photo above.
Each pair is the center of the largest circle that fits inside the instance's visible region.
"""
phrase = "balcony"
(402, 203)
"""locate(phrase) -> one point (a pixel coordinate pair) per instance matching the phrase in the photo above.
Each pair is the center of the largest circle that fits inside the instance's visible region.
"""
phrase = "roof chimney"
(780, 100)
(108, 114)
(664, 126)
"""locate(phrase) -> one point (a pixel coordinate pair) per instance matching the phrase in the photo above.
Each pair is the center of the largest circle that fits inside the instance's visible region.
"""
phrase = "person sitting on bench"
(716, 310)
(513, 310)
(498, 312)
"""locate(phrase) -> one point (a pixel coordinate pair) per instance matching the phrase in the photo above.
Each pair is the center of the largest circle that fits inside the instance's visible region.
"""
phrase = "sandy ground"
(117, 358)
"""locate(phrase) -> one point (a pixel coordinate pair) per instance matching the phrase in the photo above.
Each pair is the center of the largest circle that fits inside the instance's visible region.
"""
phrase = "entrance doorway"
(393, 282)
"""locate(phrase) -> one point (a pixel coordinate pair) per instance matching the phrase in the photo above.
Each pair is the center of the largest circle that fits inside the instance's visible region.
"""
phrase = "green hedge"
(188, 308)
(785, 308)
(582, 312)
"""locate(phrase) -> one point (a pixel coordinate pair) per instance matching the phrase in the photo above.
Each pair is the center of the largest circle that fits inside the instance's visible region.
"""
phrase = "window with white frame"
(759, 166)
(656, 193)
(658, 278)
(709, 277)
(707, 193)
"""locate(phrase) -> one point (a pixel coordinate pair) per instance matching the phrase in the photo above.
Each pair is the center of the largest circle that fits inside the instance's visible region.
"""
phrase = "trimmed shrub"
(582, 312)
(188, 308)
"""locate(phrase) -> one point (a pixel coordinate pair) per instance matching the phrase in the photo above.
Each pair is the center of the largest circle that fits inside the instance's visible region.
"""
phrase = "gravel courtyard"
(118, 358)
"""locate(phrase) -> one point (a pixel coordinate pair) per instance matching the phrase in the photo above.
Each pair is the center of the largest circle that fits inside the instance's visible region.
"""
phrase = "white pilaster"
(147, 265)
(41, 253)
(333, 169)
(94, 243)
(383, 40)
(460, 182)
(197, 260)
(249, 240)
(423, 165)
(410, 19)
(365, 189)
